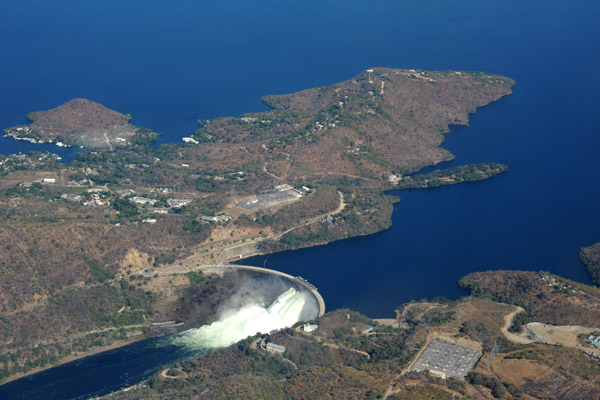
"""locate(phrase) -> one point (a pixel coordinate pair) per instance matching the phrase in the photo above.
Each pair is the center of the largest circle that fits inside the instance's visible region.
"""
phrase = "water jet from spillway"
(233, 326)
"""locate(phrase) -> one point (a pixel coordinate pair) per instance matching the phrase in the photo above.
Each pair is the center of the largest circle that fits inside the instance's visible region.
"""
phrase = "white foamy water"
(249, 320)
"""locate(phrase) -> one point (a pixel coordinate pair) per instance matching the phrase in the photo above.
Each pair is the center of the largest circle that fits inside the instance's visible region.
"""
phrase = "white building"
(309, 327)
(144, 200)
(216, 218)
(190, 140)
(176, 203)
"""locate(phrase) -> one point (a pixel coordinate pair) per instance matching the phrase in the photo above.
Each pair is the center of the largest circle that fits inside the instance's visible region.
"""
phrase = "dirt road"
(508, 320)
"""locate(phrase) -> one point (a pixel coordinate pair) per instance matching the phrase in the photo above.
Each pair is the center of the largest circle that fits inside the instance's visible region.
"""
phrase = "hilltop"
(80, 122)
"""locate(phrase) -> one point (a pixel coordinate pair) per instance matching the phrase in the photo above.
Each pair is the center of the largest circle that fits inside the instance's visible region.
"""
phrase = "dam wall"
(220, 268)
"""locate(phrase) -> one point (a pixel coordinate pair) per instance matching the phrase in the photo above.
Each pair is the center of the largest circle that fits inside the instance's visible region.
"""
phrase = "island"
(113, 246)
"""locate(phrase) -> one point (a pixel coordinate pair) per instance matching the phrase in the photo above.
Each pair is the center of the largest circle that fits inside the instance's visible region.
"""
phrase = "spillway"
(249, 320)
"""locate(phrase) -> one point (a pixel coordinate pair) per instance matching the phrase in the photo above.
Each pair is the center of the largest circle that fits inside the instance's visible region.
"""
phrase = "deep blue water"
(169, 64)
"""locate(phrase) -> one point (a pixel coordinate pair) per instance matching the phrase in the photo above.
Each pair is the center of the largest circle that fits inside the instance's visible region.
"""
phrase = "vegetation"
(74, 320)
(424, 393)
(591, 258)
(125, 208)
(552, 300)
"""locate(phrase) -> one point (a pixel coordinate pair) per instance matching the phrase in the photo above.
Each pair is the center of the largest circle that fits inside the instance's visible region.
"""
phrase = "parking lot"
(446, 359)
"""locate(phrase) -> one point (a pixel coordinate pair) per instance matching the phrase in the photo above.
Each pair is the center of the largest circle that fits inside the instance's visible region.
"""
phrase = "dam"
(222, 268)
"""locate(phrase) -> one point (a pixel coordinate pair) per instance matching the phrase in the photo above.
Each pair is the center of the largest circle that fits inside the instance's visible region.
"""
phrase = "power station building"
(275, 348)
(309, 327)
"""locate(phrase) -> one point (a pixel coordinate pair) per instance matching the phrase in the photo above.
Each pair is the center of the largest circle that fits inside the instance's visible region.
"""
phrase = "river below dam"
(130, 364)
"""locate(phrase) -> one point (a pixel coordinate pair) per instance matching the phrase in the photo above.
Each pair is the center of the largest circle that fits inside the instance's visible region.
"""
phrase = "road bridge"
(301, 282)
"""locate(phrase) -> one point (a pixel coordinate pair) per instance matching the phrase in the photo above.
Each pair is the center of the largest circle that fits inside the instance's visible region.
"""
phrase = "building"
(283, 187)
(215, 219)
(275, 348)
(49, 180)
(144, 200)
(394, 179)
(176, 203)
(125, 192)
(190, 140)
(70, 197)
(309, 327)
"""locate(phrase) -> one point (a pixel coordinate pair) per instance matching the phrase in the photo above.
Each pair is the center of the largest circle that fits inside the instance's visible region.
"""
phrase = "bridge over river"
(220, 268)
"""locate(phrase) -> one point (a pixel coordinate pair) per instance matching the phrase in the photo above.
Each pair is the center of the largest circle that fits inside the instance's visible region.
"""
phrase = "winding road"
(508, 320)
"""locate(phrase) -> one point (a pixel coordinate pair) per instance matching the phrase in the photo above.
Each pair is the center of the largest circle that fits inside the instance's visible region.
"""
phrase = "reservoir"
(170, 65)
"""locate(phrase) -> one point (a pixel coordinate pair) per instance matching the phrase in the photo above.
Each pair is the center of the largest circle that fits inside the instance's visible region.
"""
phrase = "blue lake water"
(169, 64)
